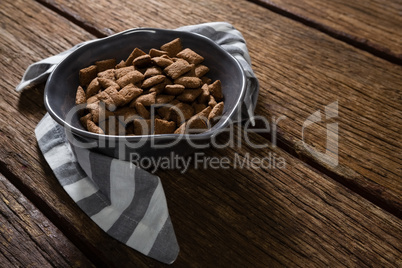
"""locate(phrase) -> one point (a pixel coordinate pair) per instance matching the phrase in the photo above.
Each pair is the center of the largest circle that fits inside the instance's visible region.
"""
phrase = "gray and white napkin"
(125, 201)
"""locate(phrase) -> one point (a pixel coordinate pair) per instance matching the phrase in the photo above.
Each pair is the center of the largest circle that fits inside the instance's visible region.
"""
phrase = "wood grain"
(28, 238)
(374, 25)
(236, 217)
(301, 71)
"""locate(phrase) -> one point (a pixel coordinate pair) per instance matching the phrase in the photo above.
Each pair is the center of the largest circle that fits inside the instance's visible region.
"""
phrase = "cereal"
(164, 126)
(189, 95)
(129, 93)
(92, 127)
(188, 81)
(156, 52)
(93, 88)
(131, 77)
(152, 71)
(142, 111)
(162, 99)
(216, 90)
(87, 74)
(174, 89)
(173, 47)
(104, 65)
(201, 70)
(153, 80)
(181, 112)
(120, 97)
(216, 111)
(105, 82)
(212, 102)
(119, 73)
(190, 56)
(198, 107)
(135, 54)
(107, 74)
(178, 68)
(162, 62)
(142, 60)
(80, 97)
(146, 100)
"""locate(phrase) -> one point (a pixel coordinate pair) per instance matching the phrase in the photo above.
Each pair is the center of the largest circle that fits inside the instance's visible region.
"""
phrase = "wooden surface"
(307, 214)
(300, 70)
(28, 238)
(373, 25)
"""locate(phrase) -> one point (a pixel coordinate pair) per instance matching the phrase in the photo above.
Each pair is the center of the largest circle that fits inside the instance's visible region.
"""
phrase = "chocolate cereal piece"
(216, 90)
(92, 127)
(142, 111)
(121, 64)
(159, 87)
(105, 83)
(142, 126)
(206, 80)
(112, 126)
(147, 99)
(173, 47)
(129, 92)
(134, 54)
(100, 114)
(201, 70)
(216, 112)
(107, 74)
(181, 112)
(119, 73)
(190, 56)
(153, 80)
(131, 77)
(80, 97)
(156, 52)
(161, 99)
(189, 95)
(212, 102)
(85, 118)
(194, 125)
(126, 114)
(162, 62)
(174, 89)
(164, 126)
(164, 111)
(204, 96)
(152, 71)
(103, 65)
(189, 82)
(177, 68)
(87, 74)
(93, 88)
(142, 60)
(198, 107)
(92, 99)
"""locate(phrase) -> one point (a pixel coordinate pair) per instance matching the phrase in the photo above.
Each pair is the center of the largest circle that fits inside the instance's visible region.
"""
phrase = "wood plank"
(31, 32)
(28, 238)
(300, 71)
(240, 217)
(275, 216)
(374, 25)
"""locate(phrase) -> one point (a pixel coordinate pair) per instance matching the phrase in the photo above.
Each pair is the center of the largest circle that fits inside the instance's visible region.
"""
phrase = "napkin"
(128, 203)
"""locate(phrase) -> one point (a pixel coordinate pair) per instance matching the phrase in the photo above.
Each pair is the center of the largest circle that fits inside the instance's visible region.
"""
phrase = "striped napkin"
(125, 201)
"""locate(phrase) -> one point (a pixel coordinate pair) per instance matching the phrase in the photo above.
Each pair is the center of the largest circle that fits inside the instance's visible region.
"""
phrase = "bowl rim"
(200, 136)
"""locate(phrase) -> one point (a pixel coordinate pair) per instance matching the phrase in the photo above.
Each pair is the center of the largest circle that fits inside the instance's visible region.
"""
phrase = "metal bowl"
(62, 84)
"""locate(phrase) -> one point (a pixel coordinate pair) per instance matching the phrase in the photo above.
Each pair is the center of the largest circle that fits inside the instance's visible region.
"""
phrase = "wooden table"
(306, 54)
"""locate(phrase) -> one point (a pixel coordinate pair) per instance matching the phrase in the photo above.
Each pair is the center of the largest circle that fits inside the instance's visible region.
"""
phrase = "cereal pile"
(119, 97)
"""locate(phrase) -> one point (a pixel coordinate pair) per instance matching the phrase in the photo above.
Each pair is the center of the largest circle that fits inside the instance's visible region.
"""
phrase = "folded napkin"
(125, 201)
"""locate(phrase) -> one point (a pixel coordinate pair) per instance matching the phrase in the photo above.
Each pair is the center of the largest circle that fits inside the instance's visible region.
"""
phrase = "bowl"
(60, 90)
